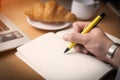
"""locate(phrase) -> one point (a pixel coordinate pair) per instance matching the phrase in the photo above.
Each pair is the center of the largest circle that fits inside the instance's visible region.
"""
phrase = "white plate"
(47, 26)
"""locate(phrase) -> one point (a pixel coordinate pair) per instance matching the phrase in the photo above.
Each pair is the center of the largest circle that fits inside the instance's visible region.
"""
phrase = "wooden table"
(12, 68)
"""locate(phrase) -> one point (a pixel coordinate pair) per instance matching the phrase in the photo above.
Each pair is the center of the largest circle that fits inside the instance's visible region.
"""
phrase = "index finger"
(79, 26)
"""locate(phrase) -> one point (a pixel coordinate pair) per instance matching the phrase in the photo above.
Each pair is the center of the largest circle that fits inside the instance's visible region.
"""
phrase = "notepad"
(45, 55)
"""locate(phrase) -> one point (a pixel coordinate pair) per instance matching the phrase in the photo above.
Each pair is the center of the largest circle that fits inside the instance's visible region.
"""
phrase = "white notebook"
(45, 55)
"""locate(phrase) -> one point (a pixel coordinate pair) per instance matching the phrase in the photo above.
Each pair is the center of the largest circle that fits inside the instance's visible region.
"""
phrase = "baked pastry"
(50, 11)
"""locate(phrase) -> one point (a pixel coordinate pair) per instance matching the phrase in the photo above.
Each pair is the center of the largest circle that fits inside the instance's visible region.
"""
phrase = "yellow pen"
(87, 29)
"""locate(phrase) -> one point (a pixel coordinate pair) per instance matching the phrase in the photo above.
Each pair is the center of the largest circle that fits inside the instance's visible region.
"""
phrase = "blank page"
(46, 53)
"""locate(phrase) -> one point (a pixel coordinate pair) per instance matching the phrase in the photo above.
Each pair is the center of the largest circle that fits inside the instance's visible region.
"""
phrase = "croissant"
(50, 11)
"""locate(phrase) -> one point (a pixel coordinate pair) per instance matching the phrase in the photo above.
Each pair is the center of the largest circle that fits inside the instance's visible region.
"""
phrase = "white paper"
(45, 55)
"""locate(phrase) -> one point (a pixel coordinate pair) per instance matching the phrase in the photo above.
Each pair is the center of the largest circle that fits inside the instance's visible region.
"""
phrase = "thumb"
(75, 37)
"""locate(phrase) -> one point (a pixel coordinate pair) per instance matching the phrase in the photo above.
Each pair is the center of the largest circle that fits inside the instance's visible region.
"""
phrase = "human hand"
(95, 41)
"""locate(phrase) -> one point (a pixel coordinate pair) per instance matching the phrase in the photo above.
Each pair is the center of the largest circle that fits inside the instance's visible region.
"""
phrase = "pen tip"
(66, 50)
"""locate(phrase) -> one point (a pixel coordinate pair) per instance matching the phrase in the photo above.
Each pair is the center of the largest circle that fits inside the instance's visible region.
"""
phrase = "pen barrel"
(72, 44)
(92, 24)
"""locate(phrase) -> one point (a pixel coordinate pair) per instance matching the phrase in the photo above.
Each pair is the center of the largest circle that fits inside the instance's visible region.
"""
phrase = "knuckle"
(72, 37)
